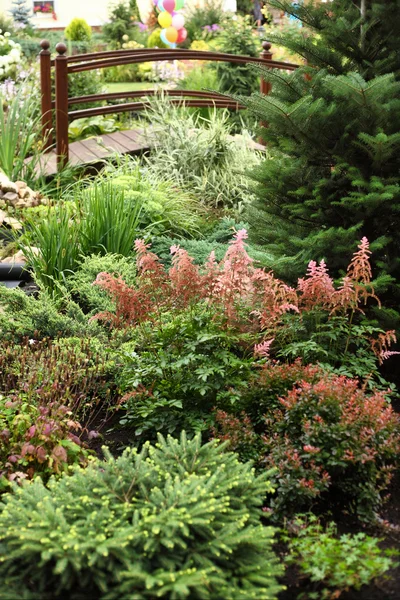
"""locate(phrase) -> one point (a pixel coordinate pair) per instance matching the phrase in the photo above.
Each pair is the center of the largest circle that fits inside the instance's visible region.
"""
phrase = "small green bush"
(335, 564)
(177, 520)
(78, 31)
(154, 40)
(80, 284)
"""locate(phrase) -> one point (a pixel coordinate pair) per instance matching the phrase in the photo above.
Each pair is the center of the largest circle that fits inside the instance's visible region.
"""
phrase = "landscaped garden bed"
(199, 373)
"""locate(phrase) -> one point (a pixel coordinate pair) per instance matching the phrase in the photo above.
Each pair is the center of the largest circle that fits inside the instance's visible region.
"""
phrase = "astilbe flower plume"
(186, 282)
(317, 287)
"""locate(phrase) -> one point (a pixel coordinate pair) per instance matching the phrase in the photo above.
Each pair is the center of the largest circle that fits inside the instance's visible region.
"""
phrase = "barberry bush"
(176, 520)
(331, 436)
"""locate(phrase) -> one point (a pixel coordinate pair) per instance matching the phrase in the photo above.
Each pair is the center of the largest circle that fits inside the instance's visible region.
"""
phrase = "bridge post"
(61, 106)
(265, 86)
(45, 88)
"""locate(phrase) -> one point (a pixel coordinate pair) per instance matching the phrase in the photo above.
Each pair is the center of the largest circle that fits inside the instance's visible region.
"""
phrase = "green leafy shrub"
(197, 17)
(335, 564)
(331, 435)
(175, 372)
(122, 18)
(37, 439)
(78, 31)
(84, 84)
(237, 37)
(176, 520)
(154, 40)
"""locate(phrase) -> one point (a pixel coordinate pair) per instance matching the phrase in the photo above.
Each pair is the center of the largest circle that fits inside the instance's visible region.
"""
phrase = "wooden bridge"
(56, 113)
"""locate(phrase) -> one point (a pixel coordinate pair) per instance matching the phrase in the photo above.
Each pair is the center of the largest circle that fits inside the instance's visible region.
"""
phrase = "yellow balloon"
(165, 19)
(171, 34)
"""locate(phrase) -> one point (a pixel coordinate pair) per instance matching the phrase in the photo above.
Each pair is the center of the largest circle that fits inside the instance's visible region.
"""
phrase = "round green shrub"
(176, 520)
(154, 40)
(78, 31)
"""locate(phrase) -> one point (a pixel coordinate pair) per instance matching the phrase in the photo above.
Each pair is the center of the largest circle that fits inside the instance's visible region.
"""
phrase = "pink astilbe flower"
(380, 346)
(130, 304)
(185, 278)
(274, 297)
(263, 349)
(317, 287)
(359, 271)
(345, 296)
(234, 281)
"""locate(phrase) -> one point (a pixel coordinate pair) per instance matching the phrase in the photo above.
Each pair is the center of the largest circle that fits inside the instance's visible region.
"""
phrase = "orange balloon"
(171, 34)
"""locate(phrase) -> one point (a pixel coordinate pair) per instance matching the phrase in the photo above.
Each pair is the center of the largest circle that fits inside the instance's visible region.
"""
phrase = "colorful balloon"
(171, 34)
(165, 19)
(163, 38)
(182, 35)
(177, 21)
(169, 5)
(160, 6)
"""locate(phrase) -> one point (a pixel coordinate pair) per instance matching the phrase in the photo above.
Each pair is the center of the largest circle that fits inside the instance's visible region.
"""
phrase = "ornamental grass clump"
(176, 520)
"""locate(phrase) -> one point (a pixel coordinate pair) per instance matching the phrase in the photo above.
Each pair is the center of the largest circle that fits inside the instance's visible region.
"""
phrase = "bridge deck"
(96, 149)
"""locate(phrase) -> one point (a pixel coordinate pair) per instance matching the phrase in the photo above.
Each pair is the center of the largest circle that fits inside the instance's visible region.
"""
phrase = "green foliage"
(81, 129)
(20, 132)
(165, 207)
(335, 563)
(78, 31)
(109, 221)
(345, 38)
(237, 37)
(99, 221)
(174, 373)
(154, 40)
(199, 155)
(122, 17)
(177, 520)
(83, 84)
(332, 174)
(24, 316)
(80, 284)
(51, 246)
(21, 13)
(209, 13)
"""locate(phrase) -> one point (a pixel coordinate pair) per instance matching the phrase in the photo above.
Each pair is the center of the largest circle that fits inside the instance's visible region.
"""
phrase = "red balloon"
(182, 35)
(169, 5)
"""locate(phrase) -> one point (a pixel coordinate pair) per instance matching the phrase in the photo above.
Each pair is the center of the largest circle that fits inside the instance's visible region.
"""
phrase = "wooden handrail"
(64, 65)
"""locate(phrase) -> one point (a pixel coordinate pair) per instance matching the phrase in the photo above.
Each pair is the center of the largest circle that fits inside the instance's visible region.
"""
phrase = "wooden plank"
(110, 141)
(118, 137)
(91, 150)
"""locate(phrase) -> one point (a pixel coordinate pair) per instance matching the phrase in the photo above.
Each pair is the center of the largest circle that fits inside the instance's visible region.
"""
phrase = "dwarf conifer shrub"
(177, 520)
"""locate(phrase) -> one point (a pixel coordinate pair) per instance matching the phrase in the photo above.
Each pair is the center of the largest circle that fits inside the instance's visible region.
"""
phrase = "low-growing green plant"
(198, 17)
(24, 316)
(177, 520)
(166, 208)
(84, 128)
(335, 564)
(80, 284)
(175, 372)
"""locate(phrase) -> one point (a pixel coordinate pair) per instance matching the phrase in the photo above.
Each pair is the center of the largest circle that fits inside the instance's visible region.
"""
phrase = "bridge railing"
(64, 65)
